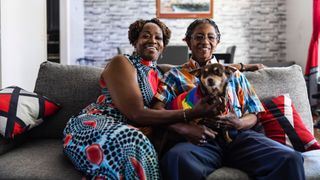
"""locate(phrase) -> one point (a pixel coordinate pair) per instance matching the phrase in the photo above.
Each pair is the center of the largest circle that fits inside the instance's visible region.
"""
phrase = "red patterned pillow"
(281, 122)
(21, 110)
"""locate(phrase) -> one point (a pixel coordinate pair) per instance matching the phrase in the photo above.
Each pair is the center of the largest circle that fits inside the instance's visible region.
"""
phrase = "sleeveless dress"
(100, 142)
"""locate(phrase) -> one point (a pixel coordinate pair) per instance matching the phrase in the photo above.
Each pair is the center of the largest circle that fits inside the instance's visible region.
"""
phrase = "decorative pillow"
(281, 122)
(21, 110)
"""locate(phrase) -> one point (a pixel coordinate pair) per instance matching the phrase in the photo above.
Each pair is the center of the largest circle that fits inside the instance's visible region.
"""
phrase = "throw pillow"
(21, 110)
(281, 122)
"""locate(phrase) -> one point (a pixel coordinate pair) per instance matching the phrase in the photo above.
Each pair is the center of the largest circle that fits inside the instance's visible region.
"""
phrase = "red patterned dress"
(100, 142)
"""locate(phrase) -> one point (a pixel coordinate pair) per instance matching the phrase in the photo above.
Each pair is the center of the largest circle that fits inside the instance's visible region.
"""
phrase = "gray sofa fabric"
(73, 87)
(272, 82)
(37, 159)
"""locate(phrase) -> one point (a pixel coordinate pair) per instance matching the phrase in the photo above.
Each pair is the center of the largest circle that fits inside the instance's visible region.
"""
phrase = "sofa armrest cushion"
(272, 82)
(72, 86)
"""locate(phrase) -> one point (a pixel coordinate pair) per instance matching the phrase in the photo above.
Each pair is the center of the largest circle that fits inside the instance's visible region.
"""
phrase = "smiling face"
(203, 42)
(149, 44)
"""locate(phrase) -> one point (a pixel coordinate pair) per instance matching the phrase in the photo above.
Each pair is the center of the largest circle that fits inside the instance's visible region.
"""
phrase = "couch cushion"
(72, 86)
(281, 122)
(271, 82)
(312, 164)
(37, 159)
(311, 167)
(228, 174)
(21, 110)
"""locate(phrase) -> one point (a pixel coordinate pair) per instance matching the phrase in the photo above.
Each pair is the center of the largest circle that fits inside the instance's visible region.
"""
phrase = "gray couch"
(38, 154)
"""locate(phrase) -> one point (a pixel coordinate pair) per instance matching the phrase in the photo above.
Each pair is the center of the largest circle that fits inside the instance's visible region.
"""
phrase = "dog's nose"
(210, 82)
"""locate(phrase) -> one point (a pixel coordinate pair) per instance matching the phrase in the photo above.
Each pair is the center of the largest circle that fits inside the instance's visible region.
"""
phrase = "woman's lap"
(251, 152)
(262, 157)
(100, 146)
(188, 161)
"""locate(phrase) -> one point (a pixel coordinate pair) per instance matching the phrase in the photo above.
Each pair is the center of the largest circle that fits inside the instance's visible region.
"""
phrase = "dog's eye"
(217, 71)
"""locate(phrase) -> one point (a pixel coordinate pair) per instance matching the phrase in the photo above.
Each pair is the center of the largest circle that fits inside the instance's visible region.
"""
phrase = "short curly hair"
(136, 27)
(196, 22)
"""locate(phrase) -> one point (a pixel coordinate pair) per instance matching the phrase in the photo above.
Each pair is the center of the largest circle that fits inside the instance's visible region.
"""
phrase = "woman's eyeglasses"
(201, 37)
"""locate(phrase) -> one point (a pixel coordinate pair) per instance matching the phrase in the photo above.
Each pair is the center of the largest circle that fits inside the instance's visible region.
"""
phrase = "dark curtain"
(311, 72)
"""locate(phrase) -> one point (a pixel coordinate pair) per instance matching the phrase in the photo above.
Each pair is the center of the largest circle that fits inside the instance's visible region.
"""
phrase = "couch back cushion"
(272, 82)
(72, 86)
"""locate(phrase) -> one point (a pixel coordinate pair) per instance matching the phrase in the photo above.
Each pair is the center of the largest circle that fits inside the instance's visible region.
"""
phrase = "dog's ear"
(229, 70)
(196, 72)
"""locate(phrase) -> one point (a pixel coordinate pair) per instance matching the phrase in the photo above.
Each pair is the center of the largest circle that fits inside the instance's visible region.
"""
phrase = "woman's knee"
(293, 157)
(181, 150)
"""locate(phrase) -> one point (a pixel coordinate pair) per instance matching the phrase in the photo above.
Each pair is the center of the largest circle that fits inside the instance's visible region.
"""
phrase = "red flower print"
(99, 178)
(101, 99)
(111, 105)
(92, 123)
(94, 154)
(138, 168)
(102, 83)
(67, 140)
(94, 111)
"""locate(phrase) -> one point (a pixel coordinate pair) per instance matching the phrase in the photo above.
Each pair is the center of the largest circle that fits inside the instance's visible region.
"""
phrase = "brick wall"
(256, 27)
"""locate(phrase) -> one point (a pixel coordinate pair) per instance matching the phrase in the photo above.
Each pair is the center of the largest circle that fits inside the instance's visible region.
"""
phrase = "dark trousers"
(251, 152)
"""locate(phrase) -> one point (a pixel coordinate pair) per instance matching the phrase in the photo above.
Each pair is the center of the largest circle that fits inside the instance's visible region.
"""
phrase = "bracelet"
(185, 116)
(241, 67)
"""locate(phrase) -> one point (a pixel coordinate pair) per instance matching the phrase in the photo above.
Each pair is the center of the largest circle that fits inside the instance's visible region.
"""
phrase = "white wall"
(71, 31)
(23, 37)
(299, 30)
(23, 41)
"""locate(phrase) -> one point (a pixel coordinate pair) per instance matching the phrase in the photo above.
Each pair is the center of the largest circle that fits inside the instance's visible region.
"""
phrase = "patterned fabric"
(281, 122)
(101, 143)
(186, 100)
(21, 110)
(178, 80)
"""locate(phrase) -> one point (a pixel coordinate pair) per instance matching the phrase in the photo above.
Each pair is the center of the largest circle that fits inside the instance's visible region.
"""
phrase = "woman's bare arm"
(248, 67)
(121, 80)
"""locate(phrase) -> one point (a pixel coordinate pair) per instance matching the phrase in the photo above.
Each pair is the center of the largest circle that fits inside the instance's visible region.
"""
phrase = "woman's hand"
(228, 121)
(196, 134)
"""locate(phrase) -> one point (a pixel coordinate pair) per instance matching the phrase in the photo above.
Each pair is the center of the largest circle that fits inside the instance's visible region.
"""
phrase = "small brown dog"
(213, 82)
